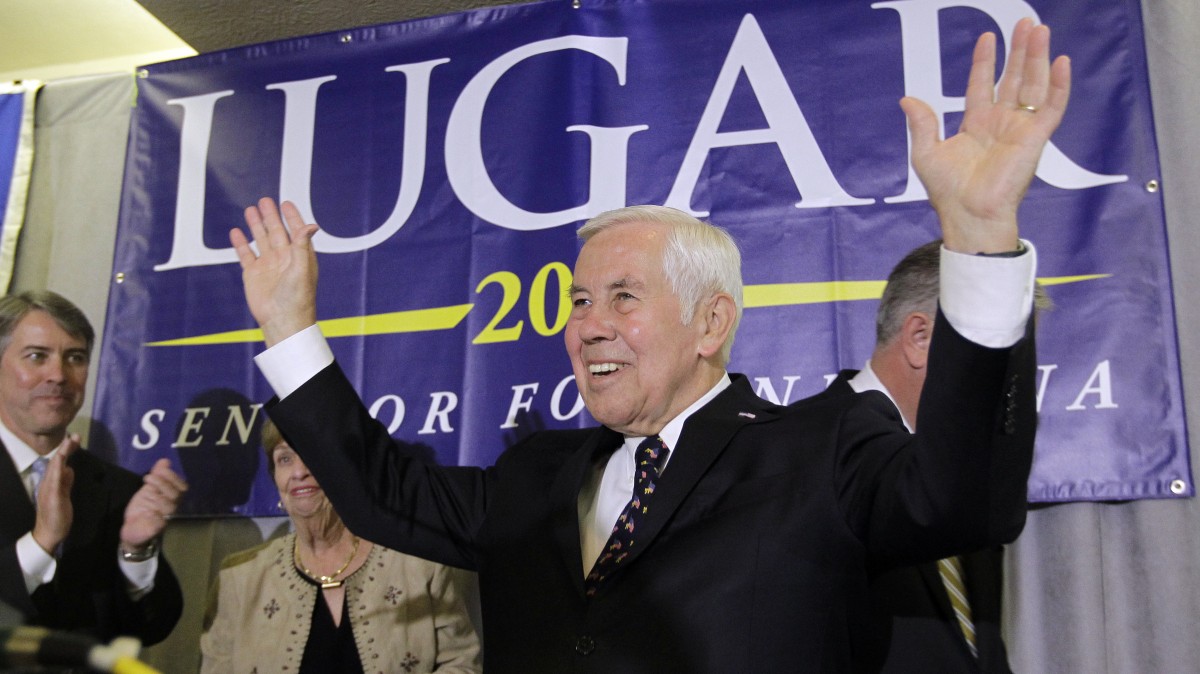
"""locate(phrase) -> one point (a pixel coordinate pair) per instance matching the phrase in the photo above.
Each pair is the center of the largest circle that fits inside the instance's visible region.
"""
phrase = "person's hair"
(68, 316)
(271, 438)
(912, 287)
(699, 259)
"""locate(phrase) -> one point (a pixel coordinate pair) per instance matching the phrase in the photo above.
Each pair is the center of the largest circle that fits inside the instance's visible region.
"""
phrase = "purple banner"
(16, 159)
(12, 114)
(450, 160)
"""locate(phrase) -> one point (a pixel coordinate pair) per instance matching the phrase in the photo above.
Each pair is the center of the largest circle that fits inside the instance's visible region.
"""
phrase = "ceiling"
(53, 39)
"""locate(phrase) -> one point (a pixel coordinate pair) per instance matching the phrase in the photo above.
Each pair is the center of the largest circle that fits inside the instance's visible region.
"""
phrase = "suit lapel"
(89, 499)
(841, 385)
(937, 589)
(14, 502)
(564, 497)
(706, 434)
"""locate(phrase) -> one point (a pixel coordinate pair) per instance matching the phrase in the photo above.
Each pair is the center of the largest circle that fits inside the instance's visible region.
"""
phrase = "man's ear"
(716, 319)
(915, 335)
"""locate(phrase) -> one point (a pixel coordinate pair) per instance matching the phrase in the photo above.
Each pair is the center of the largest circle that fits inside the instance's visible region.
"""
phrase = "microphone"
(38, 646)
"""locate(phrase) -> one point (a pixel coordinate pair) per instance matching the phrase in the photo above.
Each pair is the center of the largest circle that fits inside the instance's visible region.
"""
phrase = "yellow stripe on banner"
(417, 320)
(447, 318)
(781, 294)
(784, 294)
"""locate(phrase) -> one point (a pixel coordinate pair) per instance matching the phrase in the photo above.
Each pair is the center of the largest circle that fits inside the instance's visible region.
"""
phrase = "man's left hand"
(148, 511)
(977, 178)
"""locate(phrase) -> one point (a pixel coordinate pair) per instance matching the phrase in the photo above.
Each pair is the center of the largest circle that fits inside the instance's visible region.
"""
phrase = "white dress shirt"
(601, 501)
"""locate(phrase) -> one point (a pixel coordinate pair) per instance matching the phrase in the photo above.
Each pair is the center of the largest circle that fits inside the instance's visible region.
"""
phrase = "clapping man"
(79, 538)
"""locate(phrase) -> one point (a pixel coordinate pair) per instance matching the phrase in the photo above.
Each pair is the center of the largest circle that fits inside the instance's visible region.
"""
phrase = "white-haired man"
(702, 529)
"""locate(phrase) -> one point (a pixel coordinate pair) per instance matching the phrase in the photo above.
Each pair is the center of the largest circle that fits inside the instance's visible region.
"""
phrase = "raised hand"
(977, 178)
(280, 282)
(54, 510)
(151, 506)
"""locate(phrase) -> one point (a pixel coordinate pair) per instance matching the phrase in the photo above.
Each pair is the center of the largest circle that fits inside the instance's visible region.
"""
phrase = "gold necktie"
(952, 577)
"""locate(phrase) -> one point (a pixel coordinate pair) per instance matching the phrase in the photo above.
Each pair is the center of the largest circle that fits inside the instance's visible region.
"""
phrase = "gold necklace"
(327, 582)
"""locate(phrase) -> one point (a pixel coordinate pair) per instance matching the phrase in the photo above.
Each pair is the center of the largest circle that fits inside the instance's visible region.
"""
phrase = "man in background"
(942, 616)
(79, 538)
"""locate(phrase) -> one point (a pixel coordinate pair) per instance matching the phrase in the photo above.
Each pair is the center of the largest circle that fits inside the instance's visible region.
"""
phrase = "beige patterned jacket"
(408, 615)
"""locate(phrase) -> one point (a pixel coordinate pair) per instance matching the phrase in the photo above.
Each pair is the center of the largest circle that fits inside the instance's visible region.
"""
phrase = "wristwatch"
(1008, 253)
(142, 555)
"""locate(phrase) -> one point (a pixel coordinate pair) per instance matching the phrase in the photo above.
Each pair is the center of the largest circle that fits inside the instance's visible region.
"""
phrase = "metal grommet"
(1152, 186)
(120, 277)
(346, 38)
(142, 73)
(1178, 486)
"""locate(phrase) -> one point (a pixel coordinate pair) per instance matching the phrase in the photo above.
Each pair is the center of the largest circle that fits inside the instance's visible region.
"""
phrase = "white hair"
(699, 259)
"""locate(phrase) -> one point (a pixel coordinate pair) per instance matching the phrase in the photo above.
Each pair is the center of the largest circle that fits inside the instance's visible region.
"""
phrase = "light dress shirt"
(602, 500)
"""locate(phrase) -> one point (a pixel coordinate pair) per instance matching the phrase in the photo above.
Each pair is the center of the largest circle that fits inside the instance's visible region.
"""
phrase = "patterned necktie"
(37, 470)
(952, 577)
(651, 455)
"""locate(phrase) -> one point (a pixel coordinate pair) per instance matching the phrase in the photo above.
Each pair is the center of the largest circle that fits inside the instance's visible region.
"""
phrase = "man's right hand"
(281, 280)
(54, 511)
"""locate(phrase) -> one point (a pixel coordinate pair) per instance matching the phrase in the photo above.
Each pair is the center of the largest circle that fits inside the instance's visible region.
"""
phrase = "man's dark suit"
(913, 607)
(761, 531)
(88, 592)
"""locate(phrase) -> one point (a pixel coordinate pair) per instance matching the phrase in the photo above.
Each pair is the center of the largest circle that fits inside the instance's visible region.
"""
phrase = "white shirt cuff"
(139, 575)
(295, 360)
(988, 300)
(37, 565)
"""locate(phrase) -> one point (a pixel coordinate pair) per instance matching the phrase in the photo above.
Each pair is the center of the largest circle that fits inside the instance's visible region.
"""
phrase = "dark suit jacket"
(88, 592)
(761, 532)
(920, 634)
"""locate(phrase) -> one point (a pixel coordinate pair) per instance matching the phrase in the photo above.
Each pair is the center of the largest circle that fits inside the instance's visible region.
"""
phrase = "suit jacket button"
(585, 645)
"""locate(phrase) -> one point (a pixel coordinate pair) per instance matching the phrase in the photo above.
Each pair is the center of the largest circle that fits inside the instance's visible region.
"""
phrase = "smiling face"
(637, 366)
(299, 492)
(43, 372)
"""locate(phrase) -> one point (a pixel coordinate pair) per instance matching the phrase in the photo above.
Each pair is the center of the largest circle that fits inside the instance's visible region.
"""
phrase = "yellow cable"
(128, 665)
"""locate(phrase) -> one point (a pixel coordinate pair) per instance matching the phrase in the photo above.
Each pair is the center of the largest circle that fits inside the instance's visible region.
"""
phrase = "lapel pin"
(748, 415)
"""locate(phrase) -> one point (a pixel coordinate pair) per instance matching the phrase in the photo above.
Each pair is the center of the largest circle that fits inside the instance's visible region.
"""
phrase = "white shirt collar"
(674, 428)
(603, 498)
(22, 454)
(867, 380)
